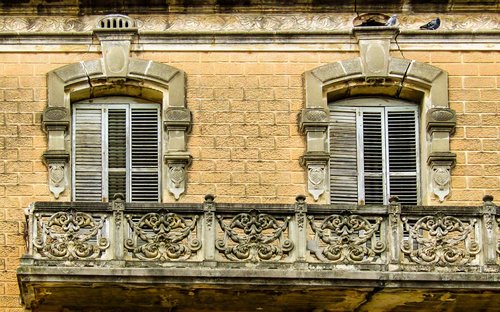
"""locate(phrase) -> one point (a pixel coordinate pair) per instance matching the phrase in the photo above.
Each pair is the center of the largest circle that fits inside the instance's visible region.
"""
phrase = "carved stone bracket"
(316, 165)
(440, 165)
(177, 164)
(374, 43)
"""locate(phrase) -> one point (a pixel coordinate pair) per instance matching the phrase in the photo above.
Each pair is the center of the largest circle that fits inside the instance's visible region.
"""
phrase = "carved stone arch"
(399, 78)
(132, 77)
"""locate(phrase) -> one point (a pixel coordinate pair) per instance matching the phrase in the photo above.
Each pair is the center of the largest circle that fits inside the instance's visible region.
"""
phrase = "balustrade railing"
(382, 238)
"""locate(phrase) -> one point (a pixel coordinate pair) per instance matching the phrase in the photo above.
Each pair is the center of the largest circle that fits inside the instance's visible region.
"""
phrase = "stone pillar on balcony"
(208, 229)
(395, 235)
(300, 228)
(490, 239)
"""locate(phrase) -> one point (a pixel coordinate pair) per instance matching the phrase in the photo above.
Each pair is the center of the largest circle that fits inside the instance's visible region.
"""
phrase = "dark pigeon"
(432, 25)
(392, 21)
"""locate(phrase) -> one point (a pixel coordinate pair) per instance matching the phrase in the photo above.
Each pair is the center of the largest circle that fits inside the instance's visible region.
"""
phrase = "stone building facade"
(243, 102)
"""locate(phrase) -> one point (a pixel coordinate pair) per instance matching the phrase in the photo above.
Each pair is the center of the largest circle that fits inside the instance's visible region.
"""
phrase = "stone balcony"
(246, 257)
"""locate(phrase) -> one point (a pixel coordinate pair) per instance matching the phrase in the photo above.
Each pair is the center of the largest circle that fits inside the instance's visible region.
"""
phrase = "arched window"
(116, 148)
(373, 145)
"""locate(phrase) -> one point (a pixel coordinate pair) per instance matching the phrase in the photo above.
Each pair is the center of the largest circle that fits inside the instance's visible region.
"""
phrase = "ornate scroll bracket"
(55, 121)
(374, 44)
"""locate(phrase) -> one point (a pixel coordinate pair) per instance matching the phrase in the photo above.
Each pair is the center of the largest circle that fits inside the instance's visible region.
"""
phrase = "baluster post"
(395, 235)
(208, 228)
(489, 232)
(300, 228)
(117, 227)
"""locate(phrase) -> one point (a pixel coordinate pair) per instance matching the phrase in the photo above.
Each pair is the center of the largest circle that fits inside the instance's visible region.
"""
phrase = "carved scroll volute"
(314, 123)
(440, 125)
(55, 121)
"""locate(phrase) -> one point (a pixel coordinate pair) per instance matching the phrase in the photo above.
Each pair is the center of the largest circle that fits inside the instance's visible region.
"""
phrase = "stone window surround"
(116, 73)
(376, 73)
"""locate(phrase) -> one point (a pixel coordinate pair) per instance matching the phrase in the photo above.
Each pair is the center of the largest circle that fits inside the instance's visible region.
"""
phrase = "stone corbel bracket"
(440, 125)
(314, 124)
(374, 44)
(55, 121)
(177, 123)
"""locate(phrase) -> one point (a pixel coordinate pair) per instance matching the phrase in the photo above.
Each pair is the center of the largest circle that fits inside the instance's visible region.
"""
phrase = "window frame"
(384, 105)
(116, 102)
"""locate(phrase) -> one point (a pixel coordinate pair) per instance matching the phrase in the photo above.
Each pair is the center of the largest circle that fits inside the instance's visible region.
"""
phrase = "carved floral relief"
(254, 237)
(70, 236)
(440, 240)
(347, 239)
(162, 236)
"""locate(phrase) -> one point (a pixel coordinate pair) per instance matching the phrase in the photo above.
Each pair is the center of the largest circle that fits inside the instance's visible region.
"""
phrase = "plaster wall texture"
(245, 139)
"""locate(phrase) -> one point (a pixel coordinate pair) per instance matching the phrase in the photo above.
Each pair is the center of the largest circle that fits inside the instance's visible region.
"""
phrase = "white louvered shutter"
(373, 154)
(145, 154)
(403, 154)
(372, 171)
(343, 157)
(117, 152)
(87, 154)
(116, 149)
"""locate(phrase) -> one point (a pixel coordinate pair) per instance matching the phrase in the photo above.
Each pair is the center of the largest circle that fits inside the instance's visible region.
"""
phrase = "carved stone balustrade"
(109, 247)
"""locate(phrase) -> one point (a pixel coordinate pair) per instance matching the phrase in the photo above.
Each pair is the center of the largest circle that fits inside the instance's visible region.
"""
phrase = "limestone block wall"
(245, 139)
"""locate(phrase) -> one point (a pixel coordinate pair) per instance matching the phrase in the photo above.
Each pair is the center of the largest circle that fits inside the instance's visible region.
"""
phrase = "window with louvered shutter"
(116, 149)
(373, 153)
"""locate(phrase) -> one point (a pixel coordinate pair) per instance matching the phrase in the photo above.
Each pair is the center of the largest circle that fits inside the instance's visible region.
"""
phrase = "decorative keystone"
(115, 33)
(374, 44)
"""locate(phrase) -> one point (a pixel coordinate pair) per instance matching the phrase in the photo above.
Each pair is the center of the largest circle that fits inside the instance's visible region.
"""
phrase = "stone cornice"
(248, 23)
(242, 32)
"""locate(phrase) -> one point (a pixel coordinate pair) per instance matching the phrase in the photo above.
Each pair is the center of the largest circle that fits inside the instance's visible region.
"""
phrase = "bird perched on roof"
(392, 20)
(432, 25)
